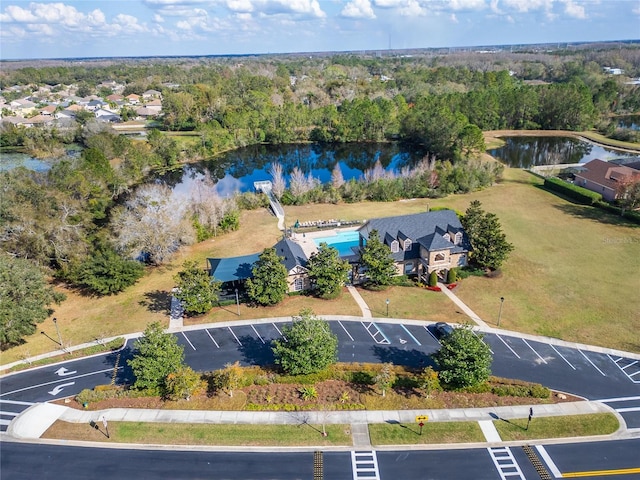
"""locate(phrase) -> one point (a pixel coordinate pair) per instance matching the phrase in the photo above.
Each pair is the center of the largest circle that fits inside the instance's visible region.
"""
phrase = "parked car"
(443, 329)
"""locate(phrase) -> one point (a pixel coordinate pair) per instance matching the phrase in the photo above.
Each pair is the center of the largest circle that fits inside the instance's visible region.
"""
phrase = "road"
(614, 380)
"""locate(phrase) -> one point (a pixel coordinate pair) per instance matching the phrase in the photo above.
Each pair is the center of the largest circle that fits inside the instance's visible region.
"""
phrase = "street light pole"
(237, 302)
(387, 307)
(500, 311)
(55, 322)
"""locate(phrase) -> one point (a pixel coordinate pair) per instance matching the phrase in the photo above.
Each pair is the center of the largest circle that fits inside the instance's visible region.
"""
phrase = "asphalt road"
(53, 462)
(593, 375)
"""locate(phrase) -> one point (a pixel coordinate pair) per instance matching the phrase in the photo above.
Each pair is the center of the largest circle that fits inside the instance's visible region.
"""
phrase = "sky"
(114, 28)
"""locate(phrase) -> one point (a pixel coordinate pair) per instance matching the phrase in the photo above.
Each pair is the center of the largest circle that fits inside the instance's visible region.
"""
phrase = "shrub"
(433, 279)
(452, 275)
(570, 190)
(308, 393)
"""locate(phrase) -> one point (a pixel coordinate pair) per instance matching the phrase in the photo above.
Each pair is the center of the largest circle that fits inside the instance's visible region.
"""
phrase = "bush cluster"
(575, 192)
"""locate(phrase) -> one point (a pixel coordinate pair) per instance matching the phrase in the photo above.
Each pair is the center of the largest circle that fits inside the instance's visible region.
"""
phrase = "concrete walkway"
(366, 311)
(462, 306)
(34, 421)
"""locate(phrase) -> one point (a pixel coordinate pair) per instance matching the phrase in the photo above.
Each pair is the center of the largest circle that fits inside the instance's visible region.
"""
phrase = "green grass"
(205, 434)
(558, 427)
(432, 432)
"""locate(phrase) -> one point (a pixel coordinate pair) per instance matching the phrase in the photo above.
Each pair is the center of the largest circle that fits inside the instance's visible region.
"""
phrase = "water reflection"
(237, 170)
(525, 152)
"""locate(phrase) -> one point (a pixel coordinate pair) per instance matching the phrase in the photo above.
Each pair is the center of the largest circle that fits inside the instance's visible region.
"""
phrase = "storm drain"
(537, 463)
(318, 466)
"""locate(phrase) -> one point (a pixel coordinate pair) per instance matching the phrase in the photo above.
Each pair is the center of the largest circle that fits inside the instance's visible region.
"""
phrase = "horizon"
(59, 30)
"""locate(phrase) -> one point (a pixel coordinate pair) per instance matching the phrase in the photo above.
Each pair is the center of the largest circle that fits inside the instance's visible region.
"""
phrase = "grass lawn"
(204, 434)
(558, 427)
(432, 432)
(573, 274)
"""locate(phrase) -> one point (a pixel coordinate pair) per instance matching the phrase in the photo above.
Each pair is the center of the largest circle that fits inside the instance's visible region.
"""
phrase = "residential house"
(149, 94)
(133, 99)
(107, 116)
(604, 177)
(421, 243)
(22, 107)
(145, 112)
(114, 97)
(154, 105)
(48, 110)
(95, 105)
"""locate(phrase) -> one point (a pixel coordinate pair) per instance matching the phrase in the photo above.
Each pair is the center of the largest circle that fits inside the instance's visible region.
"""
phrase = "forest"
(94, 220)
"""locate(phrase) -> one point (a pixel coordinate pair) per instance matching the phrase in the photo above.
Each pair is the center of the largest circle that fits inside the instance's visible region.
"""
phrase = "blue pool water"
(342, 241)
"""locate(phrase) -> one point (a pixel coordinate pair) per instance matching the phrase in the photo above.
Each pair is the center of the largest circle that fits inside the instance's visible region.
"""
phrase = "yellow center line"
(601, 473)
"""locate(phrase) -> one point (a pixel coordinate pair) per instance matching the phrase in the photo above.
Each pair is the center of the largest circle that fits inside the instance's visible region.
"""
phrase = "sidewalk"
(34, 421)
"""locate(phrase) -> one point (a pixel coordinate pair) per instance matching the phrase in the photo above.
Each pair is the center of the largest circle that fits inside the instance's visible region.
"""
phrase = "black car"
(443, 329)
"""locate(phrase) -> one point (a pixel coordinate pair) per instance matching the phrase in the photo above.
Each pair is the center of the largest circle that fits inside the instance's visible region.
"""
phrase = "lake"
(11, 160)
(525, 152)
(237, 170)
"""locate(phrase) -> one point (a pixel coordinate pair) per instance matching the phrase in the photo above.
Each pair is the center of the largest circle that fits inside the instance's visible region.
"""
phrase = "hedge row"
(575, 192)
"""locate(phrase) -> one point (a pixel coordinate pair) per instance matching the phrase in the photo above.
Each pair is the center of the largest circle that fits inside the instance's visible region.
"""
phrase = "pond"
(631, 122)
(11, 160)
(237, 170)
(526, 152)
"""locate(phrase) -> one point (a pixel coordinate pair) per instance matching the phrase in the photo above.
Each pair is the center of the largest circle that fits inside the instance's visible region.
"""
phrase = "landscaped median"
(303, 434)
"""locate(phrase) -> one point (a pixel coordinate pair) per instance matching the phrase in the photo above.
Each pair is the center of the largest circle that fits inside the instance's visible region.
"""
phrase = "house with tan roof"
(133, 99)
(604, 177)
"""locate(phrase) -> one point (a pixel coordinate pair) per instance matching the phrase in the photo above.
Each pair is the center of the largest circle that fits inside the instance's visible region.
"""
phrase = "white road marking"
(550, 463)
(188, 341)
(55, 381)
(285, 338)
(627, 366)
(212, 339)
(17, 402)
(532, 349)
(234, 336)
(58, 388)
(505, 463)
(477, 336)
(562, 356)
(9, 414)
(365, 465)
(429, 332)
(409, 333)
(594, 365)
(63, 372)
(5, 422)
(628, 409)
(254, 329)
(508, 346)
(618, 399)
(628, 375)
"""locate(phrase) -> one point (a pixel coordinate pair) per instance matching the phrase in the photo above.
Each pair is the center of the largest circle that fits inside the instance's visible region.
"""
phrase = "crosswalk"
(506, 463)
(10, 409)
(365, 465)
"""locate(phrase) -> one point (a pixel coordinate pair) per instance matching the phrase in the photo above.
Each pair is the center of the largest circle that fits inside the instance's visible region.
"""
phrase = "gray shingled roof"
(292, 253)
(426, 229)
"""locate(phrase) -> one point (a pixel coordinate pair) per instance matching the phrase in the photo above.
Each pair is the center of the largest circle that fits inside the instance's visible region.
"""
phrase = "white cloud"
(158, 18)
(524, 6)
(358, 9)
(453, 18)
(467, 4)
(573, 10)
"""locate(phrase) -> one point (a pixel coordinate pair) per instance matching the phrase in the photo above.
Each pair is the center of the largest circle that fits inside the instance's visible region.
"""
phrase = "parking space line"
(550, 463)
(234, 336)
(429, 332)
(345, 331)
(622, 369)
(188, 341)
(492, 352)
(507, 345)
(279, 332)
(410, 334)
(261, 339)
(384, 340)
(562, 356)
(533, 350)
(594, 365)
(212, 339)
(17, 402)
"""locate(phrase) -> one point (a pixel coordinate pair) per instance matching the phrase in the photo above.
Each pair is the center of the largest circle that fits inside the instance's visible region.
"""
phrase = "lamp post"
(237, 302)
(387, 307)
(55, 322)
(500, 311)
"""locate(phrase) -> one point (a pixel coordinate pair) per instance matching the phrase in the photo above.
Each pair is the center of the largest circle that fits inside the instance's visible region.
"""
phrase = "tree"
(375, 257)
(157, 354)
(464, 360)
(196, 289)
(268, 285)
(489, 243)
(105, 272)
(153, 224)
(310, 345)
(231, 377)
(327, 271)
(385, 378)
(24, 299)
(628, 193)
(183, 384)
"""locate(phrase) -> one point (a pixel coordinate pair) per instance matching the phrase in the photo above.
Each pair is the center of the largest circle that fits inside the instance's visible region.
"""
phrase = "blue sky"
(88, 28)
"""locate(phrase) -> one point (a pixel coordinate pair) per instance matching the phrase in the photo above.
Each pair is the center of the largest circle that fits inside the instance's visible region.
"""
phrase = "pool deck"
(306, 240)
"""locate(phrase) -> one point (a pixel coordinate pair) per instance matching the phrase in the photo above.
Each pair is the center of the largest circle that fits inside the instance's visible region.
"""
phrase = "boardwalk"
(266, 187)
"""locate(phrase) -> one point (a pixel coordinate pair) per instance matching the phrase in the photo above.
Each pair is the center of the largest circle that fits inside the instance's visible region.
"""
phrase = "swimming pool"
(342, 241)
